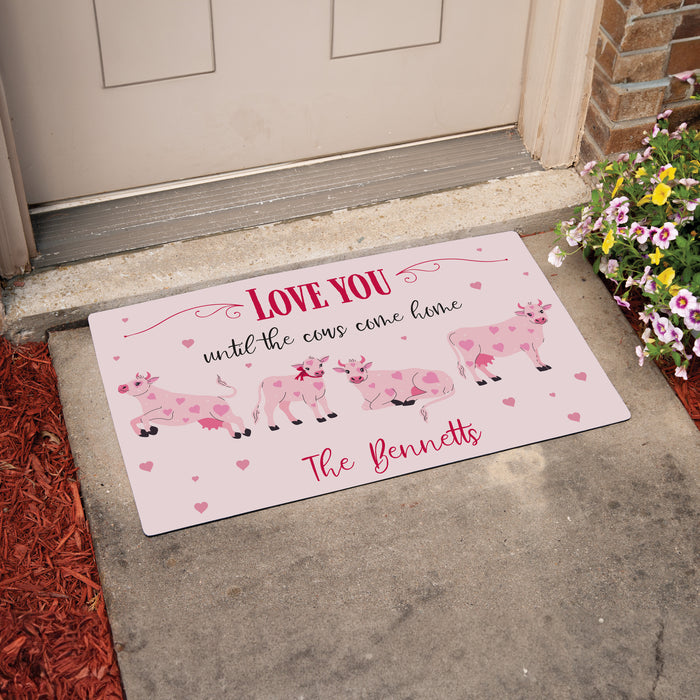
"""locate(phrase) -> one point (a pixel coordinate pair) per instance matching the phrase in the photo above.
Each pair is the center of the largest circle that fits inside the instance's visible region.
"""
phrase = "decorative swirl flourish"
(199, 313)
(411, 270)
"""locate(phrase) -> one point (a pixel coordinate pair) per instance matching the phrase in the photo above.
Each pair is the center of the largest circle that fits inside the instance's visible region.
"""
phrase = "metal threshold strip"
(109, 226)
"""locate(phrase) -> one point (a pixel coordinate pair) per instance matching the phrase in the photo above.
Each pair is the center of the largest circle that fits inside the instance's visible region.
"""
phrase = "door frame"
(558, 66)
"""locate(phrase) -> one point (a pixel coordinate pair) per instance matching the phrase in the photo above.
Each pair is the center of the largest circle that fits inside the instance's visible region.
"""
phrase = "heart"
(511, 328)
(318, 385)
(510, 401)
(479, 250)
(574, 416)
(188, 343)
(397, 375)
(581, 376)
(151, 396)
(180, 400)
(431, 378)
(551, 393)
(297, 393)
(185, 420)
(475, 285)
(277, 383)
(168, 411)
(466, 344)
(194, 409)
(146, 466)
(403, 337)
(124, 320)
(524, 346)
(526, 273)
(116, 358)
(498, 347)
(530, 330)
(388, 392)
(221, 408)
(201, 507)
(434, 391)
(243, 464)
(372, 385)
(248, 364)
(494, 329)
(195, 478)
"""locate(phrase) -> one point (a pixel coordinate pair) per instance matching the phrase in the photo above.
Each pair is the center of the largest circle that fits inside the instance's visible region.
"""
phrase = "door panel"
(276, 93)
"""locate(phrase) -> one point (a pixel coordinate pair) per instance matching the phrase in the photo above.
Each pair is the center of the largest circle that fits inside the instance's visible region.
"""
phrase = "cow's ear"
(547, 306)
(324, 359)
(519, 313)
(339, 369)
(298, 367)
(368, 365)
(152, 379)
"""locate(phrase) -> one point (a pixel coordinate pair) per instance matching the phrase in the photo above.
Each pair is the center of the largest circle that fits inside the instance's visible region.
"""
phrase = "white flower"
(682, 303)
(641, 354)
(556, 256)
(681, 372)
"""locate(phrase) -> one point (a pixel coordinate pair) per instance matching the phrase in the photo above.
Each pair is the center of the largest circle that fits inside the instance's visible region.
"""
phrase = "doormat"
(277, 388)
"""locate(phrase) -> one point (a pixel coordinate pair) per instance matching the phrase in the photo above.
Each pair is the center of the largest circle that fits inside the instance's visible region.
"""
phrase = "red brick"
(684, 55)
(626, 101)
(689, 25)
(688, 113)
(648, 6)
(606, 55)
(588, 151)
(639, 67)
(616, 137)
(648, 33)
(613, 20)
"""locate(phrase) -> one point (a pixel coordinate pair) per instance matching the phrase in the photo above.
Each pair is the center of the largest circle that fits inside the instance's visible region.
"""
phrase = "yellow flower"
(674, 289)
(656, 257)
(640, 173)
(646, 198)
(666, 277)
(608, 242)
(618, 184)
(609, 166)
(661, 193)
(667, 174)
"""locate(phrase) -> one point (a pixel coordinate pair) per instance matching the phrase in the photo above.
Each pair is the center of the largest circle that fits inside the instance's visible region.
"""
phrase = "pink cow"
(401, 387)
(522, 333)
(171, 408)
(307, 386)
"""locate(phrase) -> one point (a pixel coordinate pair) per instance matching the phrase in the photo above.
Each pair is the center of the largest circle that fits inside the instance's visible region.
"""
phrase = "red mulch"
(55, 640)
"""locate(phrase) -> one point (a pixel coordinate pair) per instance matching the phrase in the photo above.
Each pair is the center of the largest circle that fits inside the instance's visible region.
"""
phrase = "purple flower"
(682, 303)
(588, 167)
(665, 331)
(639, 232)
(665, 114)
(696, 347)
(687, 76)
(663, 236)
(611, 267)
(622, 302)
(692, 317)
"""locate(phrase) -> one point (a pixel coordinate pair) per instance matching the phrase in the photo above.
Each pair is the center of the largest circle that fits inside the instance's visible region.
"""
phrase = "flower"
(588, 167)
(663, 236)
(692, 317)
(641, 233)
(696, 347)
(660, 194)
(668, 172)
(682, 302)
(621, 302)
(682, 372)
(667, 276)
(656, 256)
(687, 76)
(641, 354)
(556, 256)
(608, 242)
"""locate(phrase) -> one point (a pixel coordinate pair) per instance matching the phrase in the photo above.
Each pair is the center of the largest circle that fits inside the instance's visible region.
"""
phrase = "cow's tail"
(221, 382)
(447, 392)
(256, 410)
(460, 366)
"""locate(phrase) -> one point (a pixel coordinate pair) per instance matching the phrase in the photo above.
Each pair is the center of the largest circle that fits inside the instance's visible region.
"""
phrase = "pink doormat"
(291, 385)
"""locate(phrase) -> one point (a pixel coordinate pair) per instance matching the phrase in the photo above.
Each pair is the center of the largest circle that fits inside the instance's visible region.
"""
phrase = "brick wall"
(641, 44)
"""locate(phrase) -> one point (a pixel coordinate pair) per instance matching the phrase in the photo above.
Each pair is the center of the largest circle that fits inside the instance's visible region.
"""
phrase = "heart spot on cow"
(195, 408)
(388, 392)
(297, 393)
(188, 343)
(470, 364)
(221, 408)
(151, 396)
(526, 273)
(146, 466)
(124, 320)
(397, 375)
(511, 328)
(466, 344)
(576, 417)
(318, 385)
(180, 400)
(185, 420)
(478, 250)
(415, 391)
(581, 376)
(243, 464)
(372, 385)
(431, 378)
(116, 358)
(195, 478)
(510, 401)
(168, 411)
(530, 330)
(498, 347)
(201, 507)
(434, 391)
(552, 393)
(475, 285)
(494, 329)
(403, 337)
(525, 347)
(277, 383)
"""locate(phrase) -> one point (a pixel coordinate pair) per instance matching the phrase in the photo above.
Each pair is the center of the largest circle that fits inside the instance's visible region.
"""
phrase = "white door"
(115, 94)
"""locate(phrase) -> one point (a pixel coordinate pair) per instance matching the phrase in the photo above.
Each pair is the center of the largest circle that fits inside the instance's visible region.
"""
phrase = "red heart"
(574, 417)
(494, 329)
(581, 376)
(146, 466)
(510, 401)
(466, 344)
(188, 343)
(201, 507)
(475, 285)
(243, 464)
(115, 358)
(431, 378)
(180, 400)
(195, 478)
(498, 347)
(397, 375)
(318, 385)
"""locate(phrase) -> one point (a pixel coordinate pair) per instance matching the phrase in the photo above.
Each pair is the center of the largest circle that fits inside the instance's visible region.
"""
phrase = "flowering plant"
(641, 232)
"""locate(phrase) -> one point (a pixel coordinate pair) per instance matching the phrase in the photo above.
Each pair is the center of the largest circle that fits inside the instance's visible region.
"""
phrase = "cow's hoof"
(332, 415)
(495, 379)
(153, 430)
(143, 433)
(274, 427)
(544, 368)
(321, 420)
(297, 422)
(236, 436)
(409, 402)
(246, 432)
(481, 382)
(396, 402)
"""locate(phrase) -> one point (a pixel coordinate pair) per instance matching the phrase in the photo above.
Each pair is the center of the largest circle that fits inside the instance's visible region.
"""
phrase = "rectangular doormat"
(285, 386)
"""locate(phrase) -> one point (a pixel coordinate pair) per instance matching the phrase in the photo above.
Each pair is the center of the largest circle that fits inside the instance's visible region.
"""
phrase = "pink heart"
(185, 420)
(188, 343)
(498, 347)
(146, 466)
(248, 364)
(510, 401)
(277, 383)
(397, 375)
(242, 464)
(372, 385)
(388, 392)
(526, 273)
(494, 329)
(115, 358)
(431, 378)
(151, 396)
(475, 285)
(297, 393)
(221, 408)
(124, 320)
(511, 328)
(195, 478)
(479, 250)
(551, 393)
(530, 330)
(466, 344)
(403, 337)
(434, 391)
(470, 364)
(524, 346)
(201, 507)
(194, 409)
(574, 416)
(581, 376)
(180, 400)
(168, 411)
(318, 385)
